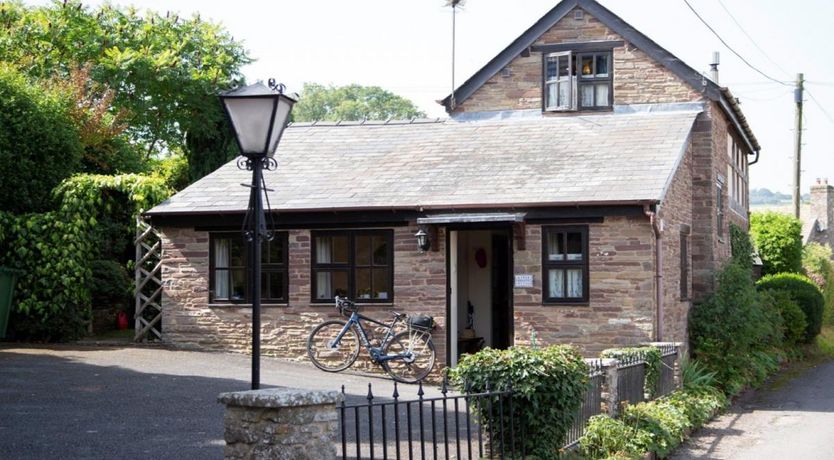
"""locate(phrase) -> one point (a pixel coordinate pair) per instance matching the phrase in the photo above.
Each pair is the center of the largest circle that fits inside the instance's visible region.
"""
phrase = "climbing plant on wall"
(54, 249)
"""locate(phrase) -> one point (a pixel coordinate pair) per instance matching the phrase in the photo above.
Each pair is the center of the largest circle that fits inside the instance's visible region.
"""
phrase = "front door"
(480, 294)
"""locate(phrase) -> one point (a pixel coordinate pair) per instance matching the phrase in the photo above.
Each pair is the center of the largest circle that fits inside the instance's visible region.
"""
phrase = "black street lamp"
(258, 115)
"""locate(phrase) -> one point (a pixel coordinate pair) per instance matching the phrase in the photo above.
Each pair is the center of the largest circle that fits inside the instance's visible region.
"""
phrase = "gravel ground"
(791, 421)
(136, 402)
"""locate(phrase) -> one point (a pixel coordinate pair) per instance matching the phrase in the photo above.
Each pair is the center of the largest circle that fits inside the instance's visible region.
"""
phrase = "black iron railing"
(444, 427)
(668, 359)
(591, 403)
(631, 379)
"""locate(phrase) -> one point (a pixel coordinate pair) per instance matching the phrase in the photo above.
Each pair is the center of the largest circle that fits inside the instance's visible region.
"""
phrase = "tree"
(778, 238)
(164, 71)
(351, 102)
(39, 144)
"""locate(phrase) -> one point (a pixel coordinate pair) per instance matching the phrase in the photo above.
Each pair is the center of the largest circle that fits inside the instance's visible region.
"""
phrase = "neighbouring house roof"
(555, 161)
(694, 78)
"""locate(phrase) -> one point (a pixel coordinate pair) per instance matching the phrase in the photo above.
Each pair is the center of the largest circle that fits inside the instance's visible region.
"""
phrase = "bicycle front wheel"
(414, 351)
(326, 353)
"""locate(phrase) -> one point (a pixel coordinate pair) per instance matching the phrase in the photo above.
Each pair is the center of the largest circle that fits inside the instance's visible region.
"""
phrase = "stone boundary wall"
(281, 423)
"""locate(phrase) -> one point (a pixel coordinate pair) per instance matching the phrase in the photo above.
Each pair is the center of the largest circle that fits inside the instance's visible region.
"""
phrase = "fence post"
(280, 423)
(612, 398)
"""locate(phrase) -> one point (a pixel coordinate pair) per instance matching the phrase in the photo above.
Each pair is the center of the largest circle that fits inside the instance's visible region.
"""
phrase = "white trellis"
(148, 290)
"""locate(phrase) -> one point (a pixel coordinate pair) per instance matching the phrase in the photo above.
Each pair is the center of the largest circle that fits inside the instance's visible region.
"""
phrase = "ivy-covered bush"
(778, 238)
(39, 146)
(805, 293)
(54, 249)
(741, 246)
(730, 325)
(548, 386)
(652, 358)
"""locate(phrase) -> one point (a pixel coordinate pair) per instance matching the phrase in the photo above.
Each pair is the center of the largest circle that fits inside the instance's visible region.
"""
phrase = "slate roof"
(599, 159)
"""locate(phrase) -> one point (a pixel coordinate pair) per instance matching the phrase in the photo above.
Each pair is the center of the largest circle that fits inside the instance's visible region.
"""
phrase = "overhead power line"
(751, 38)
(817, 103)
(731, 48)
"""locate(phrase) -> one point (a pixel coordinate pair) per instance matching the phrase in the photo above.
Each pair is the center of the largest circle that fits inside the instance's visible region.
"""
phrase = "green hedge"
(652, 357)
(548, 386)
(792, 317)
(778, 238)
(657, 426)
(805, 293)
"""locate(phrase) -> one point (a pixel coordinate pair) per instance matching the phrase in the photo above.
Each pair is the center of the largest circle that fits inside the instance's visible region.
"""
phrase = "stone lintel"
(279, 397)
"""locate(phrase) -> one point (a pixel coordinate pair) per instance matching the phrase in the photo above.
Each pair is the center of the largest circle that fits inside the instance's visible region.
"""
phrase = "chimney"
(713, 67)
(822, 204)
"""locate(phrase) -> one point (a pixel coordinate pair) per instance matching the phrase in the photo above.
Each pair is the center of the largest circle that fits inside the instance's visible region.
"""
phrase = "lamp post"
(258, 115)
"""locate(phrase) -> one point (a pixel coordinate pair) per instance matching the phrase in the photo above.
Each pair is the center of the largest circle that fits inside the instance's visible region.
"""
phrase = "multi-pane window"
(230, 276)
(577, 80)
(737, 175)
(565, 264)
(356, 264)
(719, 207)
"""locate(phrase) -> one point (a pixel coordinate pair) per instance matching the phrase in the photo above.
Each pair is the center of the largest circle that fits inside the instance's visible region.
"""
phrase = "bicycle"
(407, 356)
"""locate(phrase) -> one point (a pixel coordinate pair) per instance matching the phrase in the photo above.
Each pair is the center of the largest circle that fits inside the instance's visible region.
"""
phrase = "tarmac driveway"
(137, 402)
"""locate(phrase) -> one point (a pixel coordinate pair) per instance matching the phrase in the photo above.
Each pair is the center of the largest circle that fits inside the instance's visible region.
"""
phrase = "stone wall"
(621, 307)
(638, 79)
(676, 214)
(280, 423)
(190, 321)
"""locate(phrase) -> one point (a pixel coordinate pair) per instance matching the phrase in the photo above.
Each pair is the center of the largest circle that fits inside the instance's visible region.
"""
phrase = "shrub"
(793, 318)
(695, 376)
(665, 423)
(605, 437)
(728, 326)
(548, 386)
(650, 355)
(778, 238)
(741, 246)
(697, 405)
(816, 260)
(111, 285)
(805, 293)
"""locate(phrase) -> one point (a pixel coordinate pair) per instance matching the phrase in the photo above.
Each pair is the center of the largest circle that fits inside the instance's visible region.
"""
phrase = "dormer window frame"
(598, 78)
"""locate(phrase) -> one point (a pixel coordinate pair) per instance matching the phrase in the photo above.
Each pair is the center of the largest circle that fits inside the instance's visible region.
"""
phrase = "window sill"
(563, 303)
(247, 305)
(331, 303)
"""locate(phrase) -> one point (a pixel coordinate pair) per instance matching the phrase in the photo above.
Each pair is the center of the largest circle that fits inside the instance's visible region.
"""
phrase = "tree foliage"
(778, 238)
(164, 71)
(351, 102)
(39, 144)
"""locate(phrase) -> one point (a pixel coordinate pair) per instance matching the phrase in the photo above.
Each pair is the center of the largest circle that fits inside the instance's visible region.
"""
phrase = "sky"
(405, 46)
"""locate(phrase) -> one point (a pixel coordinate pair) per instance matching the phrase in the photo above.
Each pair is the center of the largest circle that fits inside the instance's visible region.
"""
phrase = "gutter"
(657, 230)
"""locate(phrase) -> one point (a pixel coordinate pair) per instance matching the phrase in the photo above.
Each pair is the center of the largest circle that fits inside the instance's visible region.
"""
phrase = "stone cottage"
(580, 192)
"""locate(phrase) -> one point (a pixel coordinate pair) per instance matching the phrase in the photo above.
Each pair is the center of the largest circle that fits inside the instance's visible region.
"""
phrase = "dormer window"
(577, 81)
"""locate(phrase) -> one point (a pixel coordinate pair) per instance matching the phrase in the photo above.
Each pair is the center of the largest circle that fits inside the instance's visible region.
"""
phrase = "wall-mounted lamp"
(423, 240)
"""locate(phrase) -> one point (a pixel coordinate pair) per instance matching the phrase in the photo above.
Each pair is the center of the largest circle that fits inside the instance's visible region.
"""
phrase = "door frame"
(452, 332)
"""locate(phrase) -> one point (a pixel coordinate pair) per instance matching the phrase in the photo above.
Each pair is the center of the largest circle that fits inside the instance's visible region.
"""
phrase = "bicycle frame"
(375, 352)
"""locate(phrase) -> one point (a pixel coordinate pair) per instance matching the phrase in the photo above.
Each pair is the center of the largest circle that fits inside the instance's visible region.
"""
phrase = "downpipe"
(657, 230)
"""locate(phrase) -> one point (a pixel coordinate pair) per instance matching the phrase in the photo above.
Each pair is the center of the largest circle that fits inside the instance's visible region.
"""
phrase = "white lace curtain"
(221, 260)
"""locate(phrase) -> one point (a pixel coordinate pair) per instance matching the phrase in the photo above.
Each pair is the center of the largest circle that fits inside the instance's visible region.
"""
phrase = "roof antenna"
(454, 4)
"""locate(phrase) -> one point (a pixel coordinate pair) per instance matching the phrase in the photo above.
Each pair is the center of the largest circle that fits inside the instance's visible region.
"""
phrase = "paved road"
(127, 402)
(794, 420)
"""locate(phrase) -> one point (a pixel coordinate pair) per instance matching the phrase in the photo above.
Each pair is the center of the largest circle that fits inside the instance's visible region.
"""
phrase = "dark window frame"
(351, 266)
(266, 267)
(719, 215)
(577, 81)
(583, 264)
(684, 265)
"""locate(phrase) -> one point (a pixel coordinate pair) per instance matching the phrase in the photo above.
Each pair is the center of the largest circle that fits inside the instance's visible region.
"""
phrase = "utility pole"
(797, 96)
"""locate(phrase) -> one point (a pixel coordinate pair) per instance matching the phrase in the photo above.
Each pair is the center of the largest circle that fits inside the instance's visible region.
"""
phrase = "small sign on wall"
(523, 281)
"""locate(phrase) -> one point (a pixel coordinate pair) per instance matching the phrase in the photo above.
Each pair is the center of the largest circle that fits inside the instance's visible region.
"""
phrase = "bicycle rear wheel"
(414, 366)
(328, 355)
